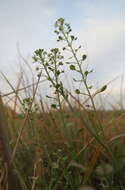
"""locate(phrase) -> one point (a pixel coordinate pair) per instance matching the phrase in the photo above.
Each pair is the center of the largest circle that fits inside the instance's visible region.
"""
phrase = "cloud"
(101, 9)
(99, 25)
(104, 42)
(26, 22)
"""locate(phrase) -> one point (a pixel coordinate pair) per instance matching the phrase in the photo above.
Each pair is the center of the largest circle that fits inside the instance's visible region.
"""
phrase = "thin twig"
(15, 91)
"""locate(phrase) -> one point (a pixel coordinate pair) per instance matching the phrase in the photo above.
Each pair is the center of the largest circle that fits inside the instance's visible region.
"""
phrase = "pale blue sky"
(99, 25)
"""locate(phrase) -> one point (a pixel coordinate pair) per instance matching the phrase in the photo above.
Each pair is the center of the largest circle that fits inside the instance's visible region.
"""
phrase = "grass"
(65, 144)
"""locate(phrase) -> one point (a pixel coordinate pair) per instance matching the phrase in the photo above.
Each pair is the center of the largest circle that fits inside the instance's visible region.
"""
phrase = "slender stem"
(92, 101)
(24, 122)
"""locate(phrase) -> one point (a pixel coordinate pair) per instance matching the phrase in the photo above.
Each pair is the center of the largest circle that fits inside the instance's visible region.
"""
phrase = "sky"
(99, 25)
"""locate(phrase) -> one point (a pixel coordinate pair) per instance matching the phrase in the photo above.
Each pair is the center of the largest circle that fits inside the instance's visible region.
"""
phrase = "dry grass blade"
(20, 89)
(7, 177)
(117, 137)
(14, 91)
(98, 91)
(92, 163)
(16, 95)
(23, 125)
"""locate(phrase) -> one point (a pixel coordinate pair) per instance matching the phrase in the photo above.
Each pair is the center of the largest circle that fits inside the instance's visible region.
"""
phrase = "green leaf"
(50, 68)
(57, 72)
(77, 91)
(90, 87)
(72, 37)
(35, 59)
(72, 67)
(39, 51)
(60, 63)
(53, 106)
(84, 57)
(86, 73)
(48, 96)
(60, 38)
(64, 48)
(57, 86)
(39, 75)
(49, 78)
(56, 32)
(103, 88)
(37, 68)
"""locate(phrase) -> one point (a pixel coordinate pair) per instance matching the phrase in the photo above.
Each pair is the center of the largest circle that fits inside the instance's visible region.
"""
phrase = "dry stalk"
(7, 178)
